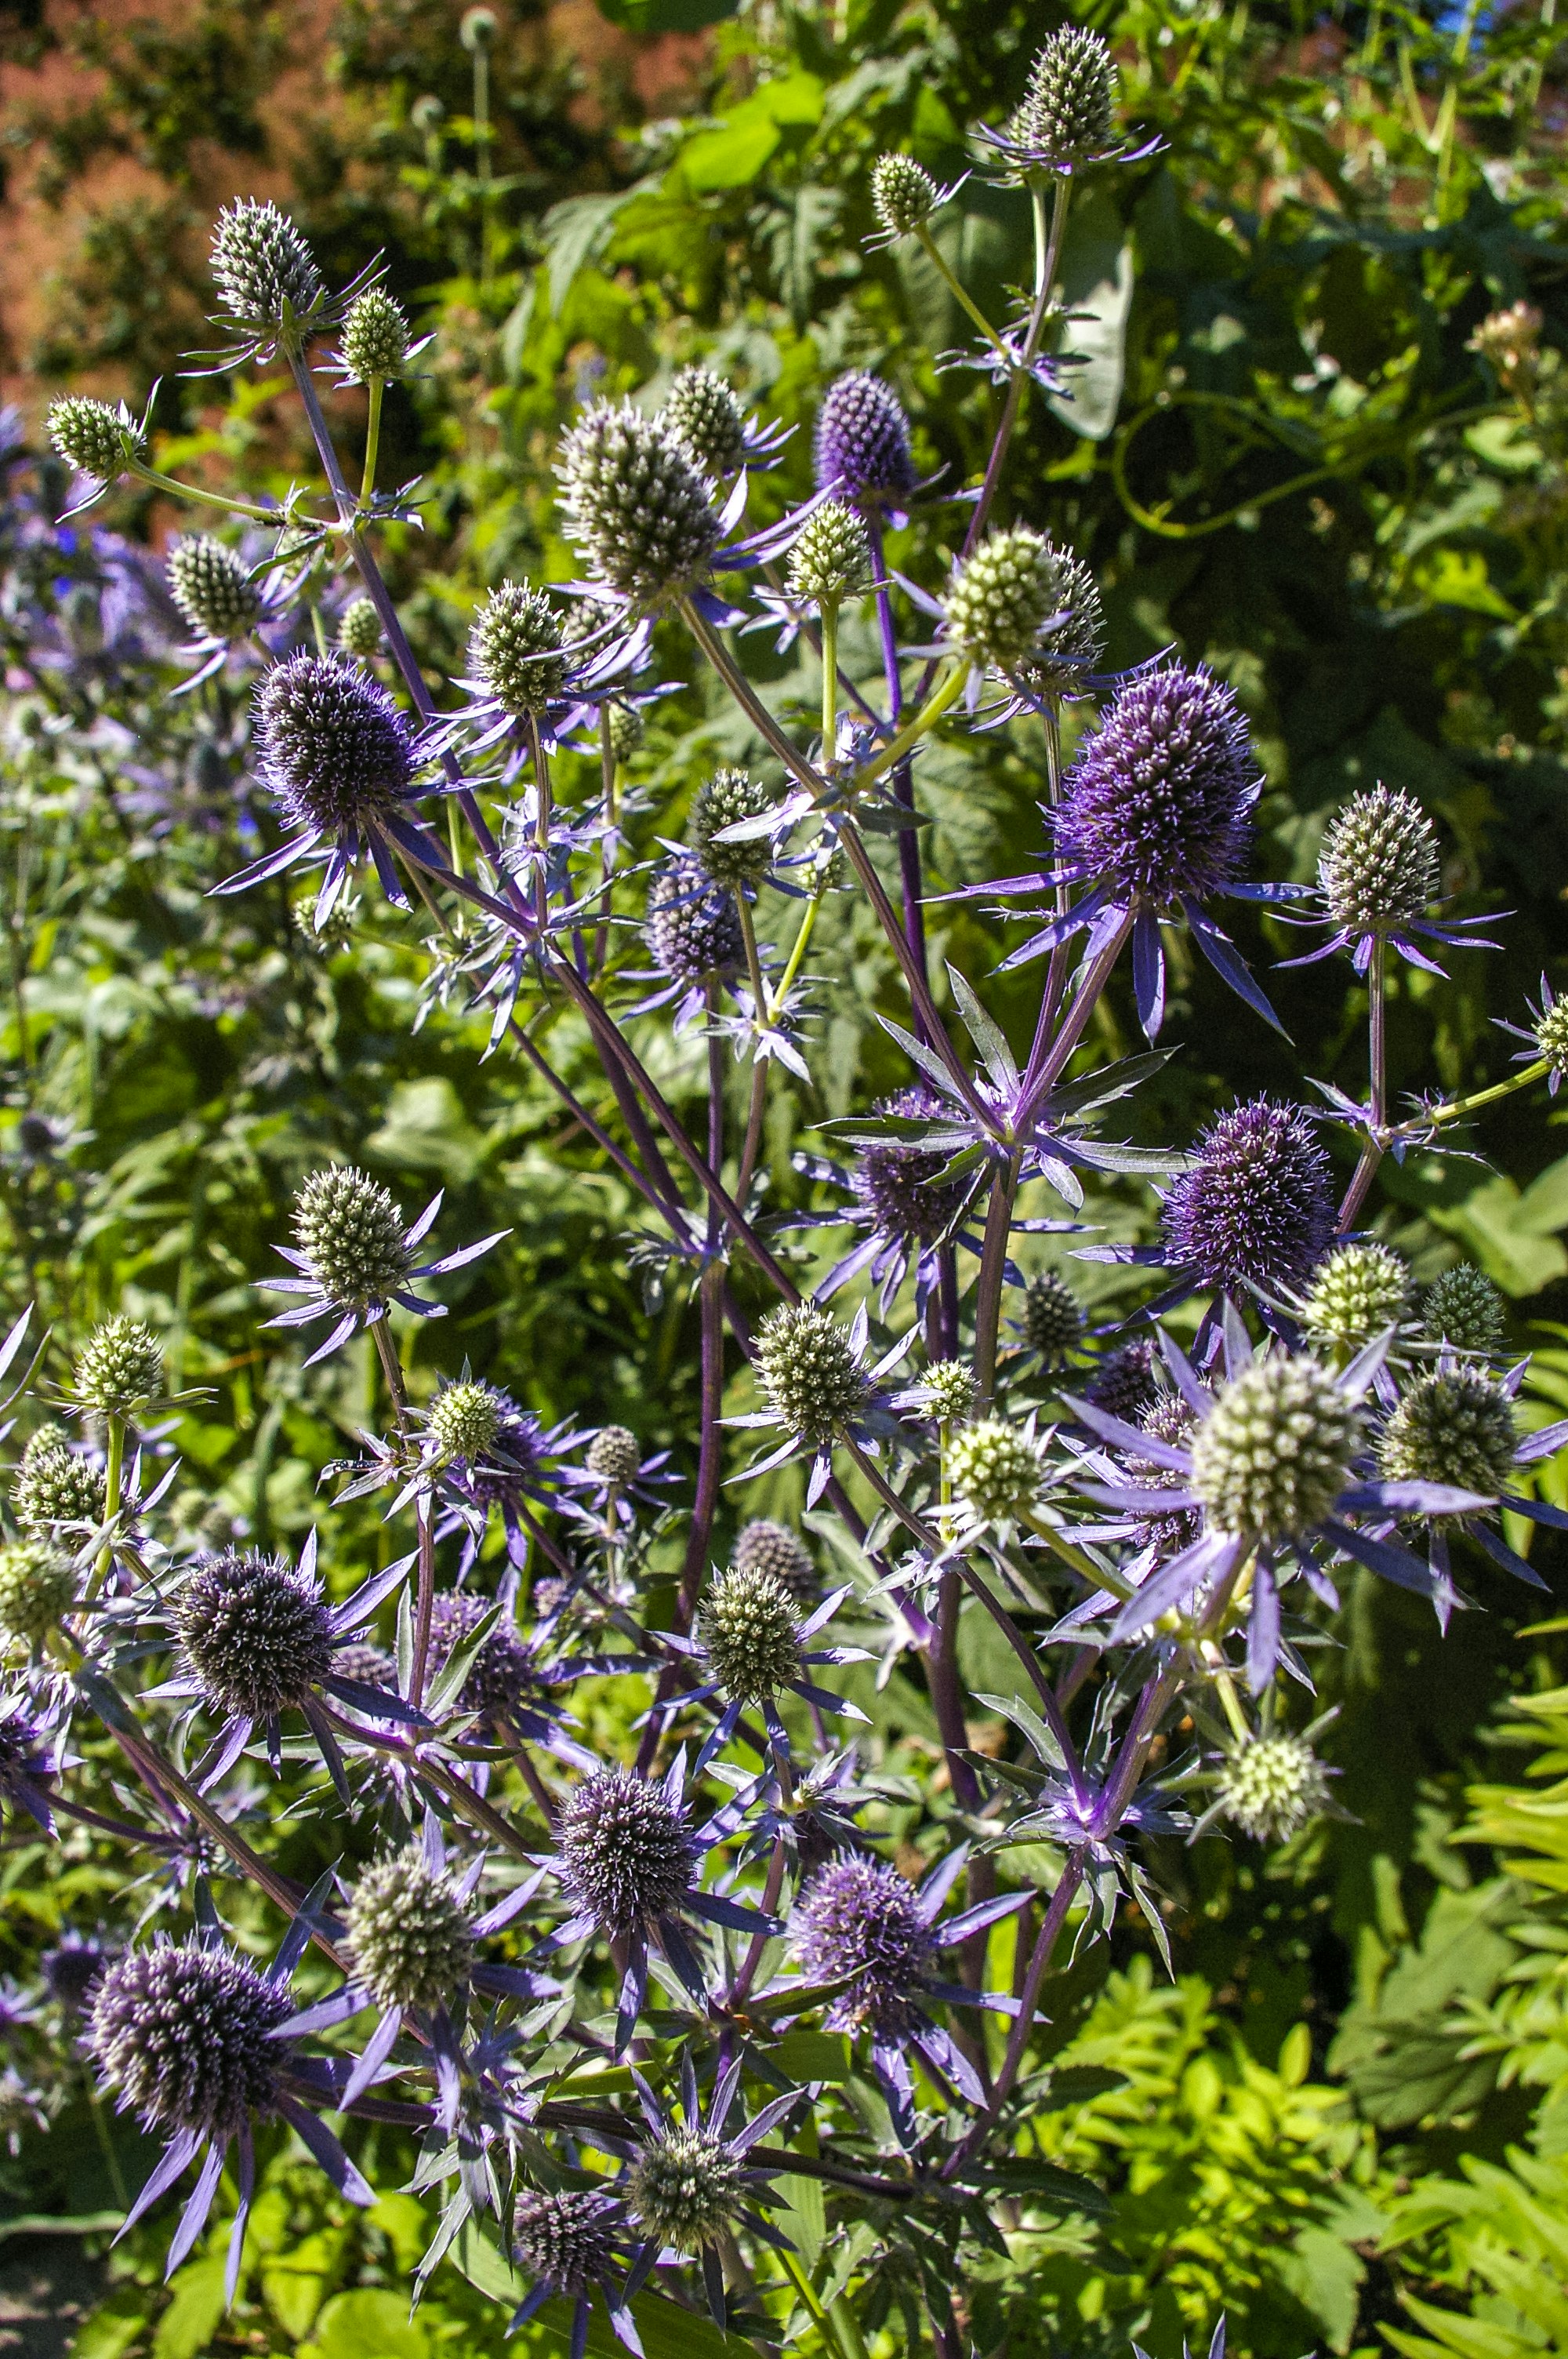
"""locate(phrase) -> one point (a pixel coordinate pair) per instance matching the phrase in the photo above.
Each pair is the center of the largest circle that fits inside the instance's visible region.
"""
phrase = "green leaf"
(1097, 288)
(812, 2056)
(367, 2324)
(190, 2322)
(728, 159)
(427, 1130)
(667, 15)
(117, 2323)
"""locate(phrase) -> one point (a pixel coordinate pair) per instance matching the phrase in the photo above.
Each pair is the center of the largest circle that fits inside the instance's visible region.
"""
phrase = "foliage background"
(1346, 2123)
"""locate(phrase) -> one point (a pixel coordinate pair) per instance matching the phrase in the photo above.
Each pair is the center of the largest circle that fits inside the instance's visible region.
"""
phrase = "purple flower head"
(626, 1850)
(901, 1186)
(862, 446)
(1159, 800)
(503, 1674)
(858, 1918)
(183, 2032)
(72, 1966)
(1256, 1209)
(334, 747)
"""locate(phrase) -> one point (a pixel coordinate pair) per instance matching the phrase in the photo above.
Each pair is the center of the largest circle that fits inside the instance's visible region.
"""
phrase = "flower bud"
(636, 504)
(614, 1455)
(1453, 1425)
(515, 648)
(568, 2240)
(900, 1181)
(1276, 1450)
(904, 194)
(464, 1420)
(1379, 868)
(1123, 1383)
(686, 2188)
(724, 801)
(478, 30)
(768, 1548)
(1053, 1317)
(810, 1373)
(704, 415)
(351, 1234)
(858, 1918)
(628, 731)
(408, 1933)
(256, 1635)
(692, 930)
(950, 1390)
(38, 1584)
(265, 272)
(56, 1485)
(1065, 118)
(359, 631)
(1550, 1032)
(832, 560)
(1356, 1292)
(94, 438)
(1004, 595)
(210, 584)
(626, 1855)
(997, 1470)
(333, 747)
(119, 1368)
(862, 447)
(1273, 1786)
(375, 337)
(182, 2032)
(1463, 1308)
(750, 1626)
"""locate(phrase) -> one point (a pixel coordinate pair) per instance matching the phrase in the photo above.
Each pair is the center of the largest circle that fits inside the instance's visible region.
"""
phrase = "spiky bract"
(515, 648)
(1378, 867)
(705, 414)
(1452, 1425)
(809, 1372)
(686, 2187)
(408, 1933)
(626, 1852)
(1256, 1206)
(181, 2033)
(1275, 1451)
(636, 504)
(255, 1634)
(1356, 1291)
(1273, 1786)
(862, 447)
(1157, 802)
(38, 1584)
(210, 584)
(692, 928)
(1464, 1309)
(858, 1918)
(351, 1234)
(332, 745)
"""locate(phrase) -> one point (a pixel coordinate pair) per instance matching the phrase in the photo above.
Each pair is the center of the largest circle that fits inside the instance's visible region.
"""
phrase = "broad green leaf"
(190, 2322)
(728, 158)
(812, 2056)
(367, 2324)
(427, 1130)
(1097, 288)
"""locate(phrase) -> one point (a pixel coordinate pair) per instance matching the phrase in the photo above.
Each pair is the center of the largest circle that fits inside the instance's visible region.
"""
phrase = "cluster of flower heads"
(608, 1959)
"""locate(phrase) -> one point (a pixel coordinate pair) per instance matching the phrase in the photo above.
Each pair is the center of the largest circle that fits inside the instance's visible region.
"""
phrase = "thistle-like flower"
(1356, 1291)
(37, 1586)
(1378, 875)
(1463, 1308)
(1024, 607)
(753, 1644)
(56, 1485)
(1273, 1786)
(335, 753)
(1546, 1036)
(1123, 1383)
(862, 446)
(638, 506)
(1066, 120)
(570, 2244)
(1052, 1322)
(118, 1370)
(409, 1934)
(212, 585)
(614, 1456)
(813, 1374)
(772, 1548)
(1452, 1425)
(71, 1967)
(831, 559)
(694, 936)
(359, 629)
(1275, 1451)
(514, 650)
(729, 799)
(859, 1925)
(190, 2037)
(903, 1201)
(704, 415)
(904, 197)
(375, 339)
(268, 285)
(356, 1258)
(1254, 1211)
(949, 1391)
(997, 1473)
(96, 439)
(1154, 821)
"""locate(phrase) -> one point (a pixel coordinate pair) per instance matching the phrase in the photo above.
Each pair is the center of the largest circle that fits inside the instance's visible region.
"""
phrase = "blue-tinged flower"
(873, 1940)
(704, 412)
(356, 1258)
(618, 1477)
(690, 2181)
(480, 1455)
(526, 672)
(628, 1860)
(337, 757)
(30, 1743)
(1378, 875)
(1546, 1036)
(571, 2242)
(1066, 121)
(862, 446)
(694, 936)
(902, 1199)
(1254, 1210)
(814, 1374)
(1456, 1425)
(258, 1638)
(1277, 1464)
(72, 1965)
(1154, 821)
(905, 199)
(511, 1681)
(194, 2039)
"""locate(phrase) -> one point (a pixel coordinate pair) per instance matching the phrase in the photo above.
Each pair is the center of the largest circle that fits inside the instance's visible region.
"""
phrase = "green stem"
(802, 936)
(946, 692)
(970, 306)
(375, 386)
(114, 1479)
(194, 494)
(829, 612)
(1457, 1108)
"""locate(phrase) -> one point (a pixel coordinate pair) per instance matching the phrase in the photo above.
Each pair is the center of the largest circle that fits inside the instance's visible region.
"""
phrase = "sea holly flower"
(1378, 875)
(628, 1860)
(271, 296)
(704, 412)
(689, 2182)
(862, 447)
(510, 1680)
(57, 1486)
(1026, 609)
(39, 1587)
(356, 1258)
(1356, 1291)
(873, 1940)
(814, 1374)
(226, 598)
(902, 1199)
(478, 1453)
(1463, 1310)
(1274, 1466)
(196, 2041)
(1066, 121)
(694, 937)
(1456, 1425)
(905, 199)
(525, 673)
(571, 2242)
(258, 1639)
(31, 1743)
(728, 799)
(1154, 821)
(1545, 1036)
(751, 1645)
(1271, 1786)
(337, 757)
(763, 1547)
(617, 1478)
(1051, 1324)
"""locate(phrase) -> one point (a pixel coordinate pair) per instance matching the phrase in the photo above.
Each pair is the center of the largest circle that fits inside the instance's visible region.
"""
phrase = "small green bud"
(997, 1470)
(1020, 605)
(950, 1390)
(351, 1234)
(1378, 867)
(704, 413)
(614, 1455)
(515, 648)
(771, 1548)
(832, 560)
(1065, 118)
(627, 730)
(94, 438)
(375, 337)
(408, 1933)
(119, 1368)
(1053, 1317)
(1276, 1450)
(809, 1372)
(55, 1484)
(750, 1625)
(686, 2187)
(1357, 1290)
(1452, 1425)
(464, 1420)
(724, 801)
(904, 194)
(38, 1584)
(1273, 1786)
(210, 584)
(1463, 1308)
(359, 631)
